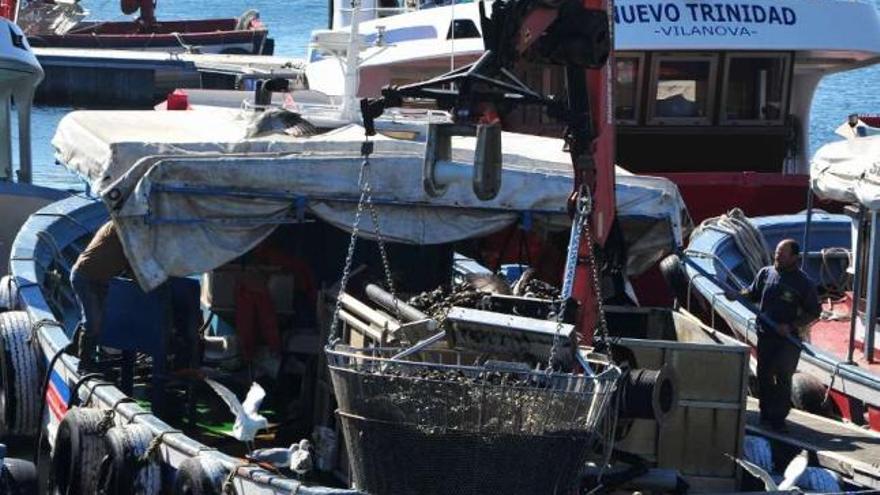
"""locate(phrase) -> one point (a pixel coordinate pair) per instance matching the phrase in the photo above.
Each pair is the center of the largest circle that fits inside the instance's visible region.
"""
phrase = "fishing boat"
(64, 25)
(840, 353)
(715, 97)
(218, 214)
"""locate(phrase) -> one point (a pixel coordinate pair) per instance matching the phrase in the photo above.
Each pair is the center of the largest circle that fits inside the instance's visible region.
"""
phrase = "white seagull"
(297, 457)
(793, 472)
(247, 420)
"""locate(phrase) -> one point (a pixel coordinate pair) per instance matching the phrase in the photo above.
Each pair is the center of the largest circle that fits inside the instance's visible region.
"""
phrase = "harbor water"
(291, 21)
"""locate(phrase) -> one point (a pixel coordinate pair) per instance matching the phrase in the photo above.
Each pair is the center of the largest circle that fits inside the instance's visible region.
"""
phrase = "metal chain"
(602, 329)
(349, 257)
(380, 240)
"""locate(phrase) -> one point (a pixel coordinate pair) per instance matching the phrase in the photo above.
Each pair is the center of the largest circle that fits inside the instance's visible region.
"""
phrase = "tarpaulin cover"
(186, 202)
(848, 171)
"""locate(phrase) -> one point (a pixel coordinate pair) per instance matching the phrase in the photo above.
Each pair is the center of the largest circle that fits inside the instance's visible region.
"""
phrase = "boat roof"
(167, 174)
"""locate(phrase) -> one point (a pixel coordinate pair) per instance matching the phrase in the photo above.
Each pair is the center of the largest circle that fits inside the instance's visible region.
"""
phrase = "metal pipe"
(381, 297)
(859, 264)
(873, 285)
(806, 247)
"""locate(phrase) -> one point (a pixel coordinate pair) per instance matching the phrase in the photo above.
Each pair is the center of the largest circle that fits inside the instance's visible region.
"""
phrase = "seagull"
(793, 472)
(247, 420)
(297, 457)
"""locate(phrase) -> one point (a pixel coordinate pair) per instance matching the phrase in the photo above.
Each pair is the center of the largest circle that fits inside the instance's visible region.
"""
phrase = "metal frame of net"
(431, 427)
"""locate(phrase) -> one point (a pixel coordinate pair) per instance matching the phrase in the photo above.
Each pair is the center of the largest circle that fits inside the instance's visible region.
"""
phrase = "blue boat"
(833, 356)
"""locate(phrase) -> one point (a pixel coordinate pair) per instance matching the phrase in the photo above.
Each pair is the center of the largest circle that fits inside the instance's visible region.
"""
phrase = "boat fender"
(820, 480)
(243, 22)
(672, 270)
(128, 466)
(79, 449)
(808, 394)
(8, 294)
(18, 477)
(757, 450)
(649, 394)
(19, 376)
(199, 476)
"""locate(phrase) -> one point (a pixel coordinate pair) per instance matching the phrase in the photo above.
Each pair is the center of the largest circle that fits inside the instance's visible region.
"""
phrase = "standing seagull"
(247, 420)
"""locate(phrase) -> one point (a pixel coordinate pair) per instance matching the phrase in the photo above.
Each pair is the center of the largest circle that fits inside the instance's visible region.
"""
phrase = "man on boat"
(90, 277)
(787, 298)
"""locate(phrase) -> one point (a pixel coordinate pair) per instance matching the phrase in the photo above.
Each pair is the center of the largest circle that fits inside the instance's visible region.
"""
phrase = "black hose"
(45, 388)
(648, 394)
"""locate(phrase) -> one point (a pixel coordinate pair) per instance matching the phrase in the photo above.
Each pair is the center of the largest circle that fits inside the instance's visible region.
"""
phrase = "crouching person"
(90, 277)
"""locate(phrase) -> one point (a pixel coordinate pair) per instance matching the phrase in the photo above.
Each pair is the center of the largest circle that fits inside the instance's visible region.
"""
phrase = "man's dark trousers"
(777, 362)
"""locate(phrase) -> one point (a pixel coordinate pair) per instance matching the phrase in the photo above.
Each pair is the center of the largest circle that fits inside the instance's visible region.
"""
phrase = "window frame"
(660, 57)
(725, 86)
(639, 90)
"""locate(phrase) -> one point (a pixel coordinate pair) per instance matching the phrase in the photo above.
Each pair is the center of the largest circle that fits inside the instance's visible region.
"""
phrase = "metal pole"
(806, 246)
(871, 295)
(858, 266)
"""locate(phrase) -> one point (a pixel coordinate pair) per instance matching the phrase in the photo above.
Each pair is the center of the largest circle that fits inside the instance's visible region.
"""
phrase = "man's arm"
(756, 288)
(752, 292)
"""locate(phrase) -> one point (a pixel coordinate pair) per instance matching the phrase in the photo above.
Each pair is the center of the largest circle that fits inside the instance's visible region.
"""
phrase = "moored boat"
(62, 25)
(715, 97)
(840, 350)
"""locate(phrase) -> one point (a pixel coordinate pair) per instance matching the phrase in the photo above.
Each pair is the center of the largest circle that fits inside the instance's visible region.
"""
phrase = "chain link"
(366, 198)
(602, 330)
(383, 253)
(349, 257)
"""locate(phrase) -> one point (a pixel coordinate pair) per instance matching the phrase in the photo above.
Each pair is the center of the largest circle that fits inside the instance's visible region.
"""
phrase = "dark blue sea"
(291, 21)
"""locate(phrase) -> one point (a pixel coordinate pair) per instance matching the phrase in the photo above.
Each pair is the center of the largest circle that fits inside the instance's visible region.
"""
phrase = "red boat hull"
(209, 36)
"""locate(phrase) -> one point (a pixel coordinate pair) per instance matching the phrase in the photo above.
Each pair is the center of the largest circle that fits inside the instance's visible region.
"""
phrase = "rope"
(153, 446)
(748, 239)
(228, 486)
(836, 285)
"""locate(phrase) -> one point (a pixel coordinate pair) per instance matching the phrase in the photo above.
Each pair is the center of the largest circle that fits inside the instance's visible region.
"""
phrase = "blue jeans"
(91, 296)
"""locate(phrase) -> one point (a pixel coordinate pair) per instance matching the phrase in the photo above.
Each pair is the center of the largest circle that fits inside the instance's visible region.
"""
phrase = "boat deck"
(832, 335)
(852, 451)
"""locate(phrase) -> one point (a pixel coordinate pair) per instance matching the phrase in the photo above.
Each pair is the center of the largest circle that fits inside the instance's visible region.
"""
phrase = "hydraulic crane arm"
(575, 34)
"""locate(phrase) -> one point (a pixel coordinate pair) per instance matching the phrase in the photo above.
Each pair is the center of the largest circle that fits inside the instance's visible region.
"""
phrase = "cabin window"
(628, 88)
(755, 89)
(461, 29)
(682, 89)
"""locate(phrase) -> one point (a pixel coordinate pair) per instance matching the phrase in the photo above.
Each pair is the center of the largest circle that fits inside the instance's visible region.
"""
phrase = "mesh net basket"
(415, 427)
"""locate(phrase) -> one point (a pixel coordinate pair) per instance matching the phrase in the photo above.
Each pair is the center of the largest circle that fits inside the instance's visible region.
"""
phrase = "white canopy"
(187, 199)
(848, 171)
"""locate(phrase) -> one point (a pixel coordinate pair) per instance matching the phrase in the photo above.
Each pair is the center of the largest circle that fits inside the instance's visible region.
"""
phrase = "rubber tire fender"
(79, 449)
(808, 394)
(122, 471)
(199, 476)
(20, 477)
(19, 376)
(8, 294)
(673, 272)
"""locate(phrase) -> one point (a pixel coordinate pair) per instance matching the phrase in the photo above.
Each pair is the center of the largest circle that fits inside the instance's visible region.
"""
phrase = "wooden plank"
(843, 447)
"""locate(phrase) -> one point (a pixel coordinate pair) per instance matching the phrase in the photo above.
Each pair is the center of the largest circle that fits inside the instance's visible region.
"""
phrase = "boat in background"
(61, 25)
(842, 349)
(20, 73)
(715, 97)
